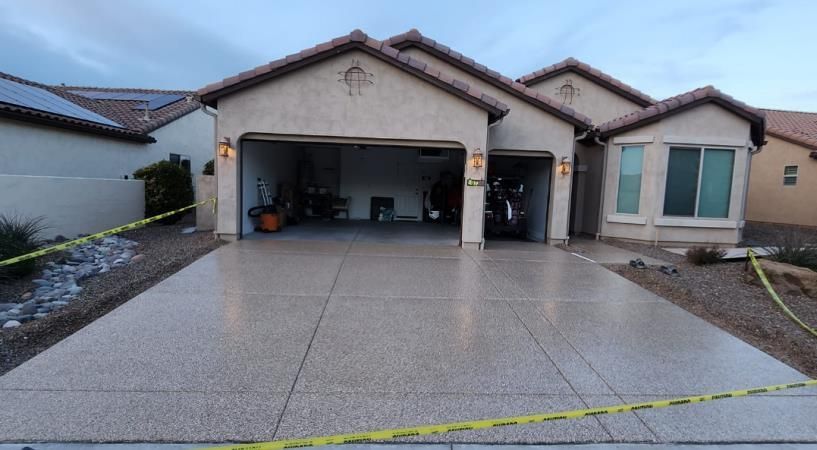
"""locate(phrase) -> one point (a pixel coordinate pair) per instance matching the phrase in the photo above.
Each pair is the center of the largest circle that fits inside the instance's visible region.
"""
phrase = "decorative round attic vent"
(355, 77)
(566, 92)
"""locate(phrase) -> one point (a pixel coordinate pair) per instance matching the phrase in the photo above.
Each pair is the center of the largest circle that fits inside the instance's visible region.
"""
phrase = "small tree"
(167, 187)
(209, 168)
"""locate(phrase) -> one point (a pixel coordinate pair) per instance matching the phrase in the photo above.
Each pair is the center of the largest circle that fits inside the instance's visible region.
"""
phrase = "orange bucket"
(269, 222)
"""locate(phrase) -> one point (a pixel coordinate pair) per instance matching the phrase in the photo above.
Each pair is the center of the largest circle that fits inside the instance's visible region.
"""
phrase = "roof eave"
(758, 123)
(788, 138)
(41, 119)
(600, 81)
(493, 81)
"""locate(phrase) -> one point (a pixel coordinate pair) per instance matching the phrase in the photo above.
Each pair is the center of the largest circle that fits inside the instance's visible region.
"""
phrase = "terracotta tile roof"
(26, 114)
(683, 102)
(519, 90)
(590, 72)
(793, 126)
(357, 39)
(122, 111)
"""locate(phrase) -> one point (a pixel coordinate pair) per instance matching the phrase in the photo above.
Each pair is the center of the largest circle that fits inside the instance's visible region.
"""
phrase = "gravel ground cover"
(166, 251)
(721, 295)
(769, 234)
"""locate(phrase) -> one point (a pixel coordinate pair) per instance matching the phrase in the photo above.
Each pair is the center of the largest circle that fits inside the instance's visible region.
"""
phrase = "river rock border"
(57, 285)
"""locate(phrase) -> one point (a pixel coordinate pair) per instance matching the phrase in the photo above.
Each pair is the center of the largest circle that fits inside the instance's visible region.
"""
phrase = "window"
(789, 175)
(629, 179)
(181, 160)
(699, 182)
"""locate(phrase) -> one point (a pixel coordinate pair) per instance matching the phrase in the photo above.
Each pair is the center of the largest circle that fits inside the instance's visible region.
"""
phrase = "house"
(69, 152)
(784, 174)
(565, 150)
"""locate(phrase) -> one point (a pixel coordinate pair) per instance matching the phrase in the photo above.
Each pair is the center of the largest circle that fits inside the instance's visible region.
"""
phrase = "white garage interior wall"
(357, 172)
(535, 172)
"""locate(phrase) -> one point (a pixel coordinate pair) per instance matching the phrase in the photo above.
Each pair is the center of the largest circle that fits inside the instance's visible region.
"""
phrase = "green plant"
(209, 168)
(19, 235)
(793, 247)
(167, 187)
(704, 255)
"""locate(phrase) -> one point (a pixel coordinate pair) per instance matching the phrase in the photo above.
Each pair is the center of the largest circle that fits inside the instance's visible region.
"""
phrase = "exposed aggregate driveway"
(264, 340)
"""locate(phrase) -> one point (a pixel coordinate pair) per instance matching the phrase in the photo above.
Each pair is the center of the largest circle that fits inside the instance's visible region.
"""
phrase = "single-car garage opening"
(375, 193)
(517, 197)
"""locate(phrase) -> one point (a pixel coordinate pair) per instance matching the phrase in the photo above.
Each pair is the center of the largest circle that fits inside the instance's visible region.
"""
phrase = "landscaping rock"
(57, 284)
(137, 258)
(11, 324)
(786, 278)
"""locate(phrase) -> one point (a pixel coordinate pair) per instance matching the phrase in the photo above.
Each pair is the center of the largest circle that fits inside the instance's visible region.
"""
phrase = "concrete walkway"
(264, 340)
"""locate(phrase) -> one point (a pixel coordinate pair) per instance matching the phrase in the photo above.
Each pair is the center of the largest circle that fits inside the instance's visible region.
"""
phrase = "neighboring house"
(783, 181)
(66, 151)
(378, 120)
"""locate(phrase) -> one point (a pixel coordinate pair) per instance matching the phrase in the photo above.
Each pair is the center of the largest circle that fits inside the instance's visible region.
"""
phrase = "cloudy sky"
(763, 52)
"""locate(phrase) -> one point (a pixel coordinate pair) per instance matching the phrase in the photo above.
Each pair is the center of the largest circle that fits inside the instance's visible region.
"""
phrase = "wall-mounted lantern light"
(224, 147)
(564, 166)
(476, 159)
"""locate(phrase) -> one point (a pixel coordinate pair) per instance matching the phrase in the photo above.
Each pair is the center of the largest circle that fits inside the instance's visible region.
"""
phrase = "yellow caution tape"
(774, 295)
(82, 240)
(382, 435)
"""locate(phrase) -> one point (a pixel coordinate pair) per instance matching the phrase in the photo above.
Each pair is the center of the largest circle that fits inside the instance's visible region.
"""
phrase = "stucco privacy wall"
(527, 128)
(29, 149)
(771, 201)
(594, 101)
(70, 206)
(312, 102)
(707, 125)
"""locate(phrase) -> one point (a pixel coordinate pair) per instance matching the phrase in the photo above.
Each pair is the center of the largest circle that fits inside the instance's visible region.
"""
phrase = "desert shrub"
(705, 255)
(209, 168)
(793, 247)
(167, 187)
(19, 235)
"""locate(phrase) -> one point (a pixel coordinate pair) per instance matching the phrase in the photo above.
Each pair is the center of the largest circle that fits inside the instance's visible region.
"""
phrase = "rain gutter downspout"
(753, 150)
(603, 184)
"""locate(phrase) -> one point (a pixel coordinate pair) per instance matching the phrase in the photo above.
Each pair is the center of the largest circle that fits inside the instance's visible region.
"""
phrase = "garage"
(344, 191)
(517, 196)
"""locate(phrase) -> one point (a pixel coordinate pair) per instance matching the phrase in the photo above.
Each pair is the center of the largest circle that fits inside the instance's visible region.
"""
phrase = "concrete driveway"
(264, 340)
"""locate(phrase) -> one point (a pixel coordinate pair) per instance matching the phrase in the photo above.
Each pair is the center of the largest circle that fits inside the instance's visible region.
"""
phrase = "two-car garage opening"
(387, 193)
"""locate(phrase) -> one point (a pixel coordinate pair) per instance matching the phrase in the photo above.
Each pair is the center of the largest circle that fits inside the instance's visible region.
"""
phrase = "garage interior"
(517, 196)
(354, 192)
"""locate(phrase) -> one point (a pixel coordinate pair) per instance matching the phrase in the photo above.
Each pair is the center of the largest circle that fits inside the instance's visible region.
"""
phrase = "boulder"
(11, 324)
(786, 278)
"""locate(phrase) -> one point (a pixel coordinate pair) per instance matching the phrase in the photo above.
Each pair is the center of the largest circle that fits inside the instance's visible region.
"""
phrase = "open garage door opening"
(517, 197)
(372, 193)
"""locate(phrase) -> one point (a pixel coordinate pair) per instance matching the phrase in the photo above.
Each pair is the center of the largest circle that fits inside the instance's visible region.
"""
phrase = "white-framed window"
(790, 175)
(699, 182)
(629, 179)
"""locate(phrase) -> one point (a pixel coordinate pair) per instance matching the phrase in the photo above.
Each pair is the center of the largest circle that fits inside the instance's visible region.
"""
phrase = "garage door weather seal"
(426, 430)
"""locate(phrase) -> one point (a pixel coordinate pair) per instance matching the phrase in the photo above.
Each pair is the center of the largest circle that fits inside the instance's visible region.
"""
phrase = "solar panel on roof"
(161, 101)
(154, 101)
(40, 99)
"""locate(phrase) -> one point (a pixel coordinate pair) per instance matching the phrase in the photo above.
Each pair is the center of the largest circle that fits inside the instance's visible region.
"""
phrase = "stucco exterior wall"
(311, 102)
(771, 201)
(527, 128)
(707, 126)
(593, 100)
(29, 149)
(70, 206)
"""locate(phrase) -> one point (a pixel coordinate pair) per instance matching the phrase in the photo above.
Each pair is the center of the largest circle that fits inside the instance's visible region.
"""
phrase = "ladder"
(263, 190)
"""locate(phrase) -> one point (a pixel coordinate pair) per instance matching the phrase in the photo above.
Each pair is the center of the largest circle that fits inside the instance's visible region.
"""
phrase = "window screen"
(629, 181)
(682, 181)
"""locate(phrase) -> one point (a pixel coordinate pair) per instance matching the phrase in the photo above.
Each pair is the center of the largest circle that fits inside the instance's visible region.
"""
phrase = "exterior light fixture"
(564, 166)
(224, 147)
(476, 159)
